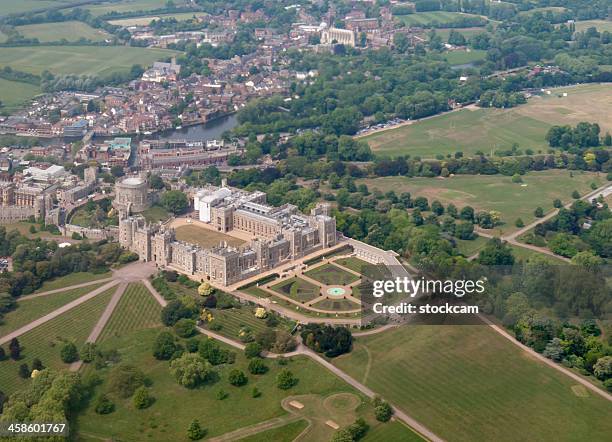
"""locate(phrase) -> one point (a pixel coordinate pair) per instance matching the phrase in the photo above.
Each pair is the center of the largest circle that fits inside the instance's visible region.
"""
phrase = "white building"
(204, 200)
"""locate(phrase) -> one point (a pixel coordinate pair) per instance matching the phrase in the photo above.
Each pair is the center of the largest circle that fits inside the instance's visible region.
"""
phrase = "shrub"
(185, 328)
(221, 394)
(88, 352)
(285, 380)
(257, 366)
(237, 378)
(124, 380)
(252, 350)
(164, 346)
(195, 430)
(104, 405)
(142, 399)
(190, 370)
(255, 392)
(69, 353)
(24, 371)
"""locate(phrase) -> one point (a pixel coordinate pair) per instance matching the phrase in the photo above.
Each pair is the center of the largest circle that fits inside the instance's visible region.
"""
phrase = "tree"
(437, 208)
(237, 378)
(195, 430)
(285, 379)
(464, 230)
(69, 353)
(15, 349)
(164, 346)
(467, 214)
(382, 410)
(284, 342)
(252, 350)
(24, 371)
(538, 212)
(185, 328)
(255, 392)
(174, 201)
(2, 354)
(205, 289)
(190, 370)
(117, 171)
(156, 182)
(516, 178)
(37, 364)
(575, 195)
(603, 368)
(257, 366)
(496, 253)
(88, 352)
(554, 350)
(104, 405)
(557, 204)
(124, 380)
(142, 399)
(519, 223)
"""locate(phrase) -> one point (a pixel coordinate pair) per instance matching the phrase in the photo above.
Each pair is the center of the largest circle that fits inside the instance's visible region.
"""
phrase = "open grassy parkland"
(601, 25)
(29, 309)
(13, 94)
(90, 60)
(486, 130)
(467, 383)
(136, 310)
(494, 192)
(18, 6)
(465, 57)
(145, 21)
(68, 30)
(440, 18)
(124, 6)
(45, 341)
(175, 406)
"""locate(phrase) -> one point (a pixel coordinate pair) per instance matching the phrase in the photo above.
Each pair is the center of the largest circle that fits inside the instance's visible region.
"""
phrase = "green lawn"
(393, 431)
(235, 321)
(15, 94)
(431, 19)
(30, 309)
(298, 289)
(69, 30)
(45, 341)
(329, 274)
(72, 279)
(88, 60)
(523, 254)
(495, 192)
(14, 7)
(465, 57)
(145, 21)
(336, 305)
(488, 130)
(204, 237)
(156, 213)
(467, 247)
(286, 433)
(130, 6)
(136, 310)
(467, 383)
(466, 32)
(601, 25)
(175, 406)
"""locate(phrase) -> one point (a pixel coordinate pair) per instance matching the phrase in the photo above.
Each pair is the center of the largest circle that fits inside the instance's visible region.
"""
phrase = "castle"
(279, 235)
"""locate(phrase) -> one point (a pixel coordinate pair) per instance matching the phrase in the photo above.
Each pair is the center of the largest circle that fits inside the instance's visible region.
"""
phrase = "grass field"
(145, 21)
(467, 383)
(175, 406)
(487, 130)
(286, 433)
(439, 18)
(329, 274)
(205, 237)
(393, 431)
(71, 279)
(15, 94)
(156, 213)
(90, 60)
(136, 310)
(15, 7)
(601, 25)
(336, 305)
(236, 320)
(30, 309)
(45, 341)
(69, 30)
(465, 57)
(466, 32)
(298, 289)
(494, 192)
(130, 6)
